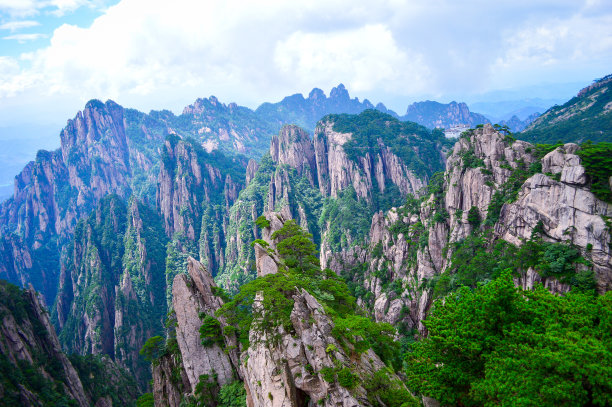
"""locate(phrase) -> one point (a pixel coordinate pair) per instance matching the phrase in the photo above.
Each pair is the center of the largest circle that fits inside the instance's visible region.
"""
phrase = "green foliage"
(362, 334)
(232, 395)
(473, 217)
(597, 161)
(103, 378)
(584, 117)
(262, 222)
(403, 138)
(300, 270)
(508, 192)
(296, 247)
(210, 331)
(345, 216)
(347, 379)
(153, 348)
(146, 400)
(380, 387)
(238, 270)
(377, 250)
(206, 392)
(477, 259)
(412, 205)
(499, 345)
(470, 160)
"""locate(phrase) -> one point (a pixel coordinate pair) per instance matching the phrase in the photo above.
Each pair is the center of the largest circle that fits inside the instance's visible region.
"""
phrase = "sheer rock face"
(284, 373)
(294, 148)
(190, 187)
(467, 187)
(192, 295)
(336, 171)
(165, 391)
(284, 370)
(567, 210)
(99, 309)
(266, 260)
(23, 340)
(52, 193)
(252, 168)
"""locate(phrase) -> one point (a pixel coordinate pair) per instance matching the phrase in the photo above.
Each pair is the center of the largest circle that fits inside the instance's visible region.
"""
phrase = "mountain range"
(293, 254)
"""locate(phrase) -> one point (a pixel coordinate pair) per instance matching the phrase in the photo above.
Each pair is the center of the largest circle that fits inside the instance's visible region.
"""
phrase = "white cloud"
(558, 45)
(27, 8)
(24, 37)
(364, 58)
(153, 53)
(13, 26)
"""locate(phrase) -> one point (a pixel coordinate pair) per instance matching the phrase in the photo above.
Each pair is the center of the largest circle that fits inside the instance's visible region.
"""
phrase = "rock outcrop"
(111, 294)
(289, 372)
(191, 184)
(566, 209)
(27, 338)
(97, 157)
(191, 296)
(409, 246)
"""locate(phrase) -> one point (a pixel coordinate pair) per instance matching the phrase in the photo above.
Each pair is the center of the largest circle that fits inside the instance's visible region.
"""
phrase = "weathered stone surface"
(165, 391)
(21, 341)
(283, 374)
(567, 212)
(197, 359)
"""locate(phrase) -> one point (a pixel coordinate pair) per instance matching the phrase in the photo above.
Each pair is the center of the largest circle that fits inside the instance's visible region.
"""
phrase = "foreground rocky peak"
(192, 296)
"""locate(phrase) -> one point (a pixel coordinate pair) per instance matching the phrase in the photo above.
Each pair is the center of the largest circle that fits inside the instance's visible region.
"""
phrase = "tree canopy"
(498, 345)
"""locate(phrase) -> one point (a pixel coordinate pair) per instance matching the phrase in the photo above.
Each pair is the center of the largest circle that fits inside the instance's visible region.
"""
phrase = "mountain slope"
(33, 369)
(588, 116)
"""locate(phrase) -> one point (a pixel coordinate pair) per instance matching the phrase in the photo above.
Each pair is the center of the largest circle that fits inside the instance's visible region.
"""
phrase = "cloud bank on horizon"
(154, 54)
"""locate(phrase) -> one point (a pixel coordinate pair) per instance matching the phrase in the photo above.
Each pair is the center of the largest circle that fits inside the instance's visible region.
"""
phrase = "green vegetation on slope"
(300, 270)
(479, 259)
(597, 161)
(502, 346)
(584, 117)
(416, 145)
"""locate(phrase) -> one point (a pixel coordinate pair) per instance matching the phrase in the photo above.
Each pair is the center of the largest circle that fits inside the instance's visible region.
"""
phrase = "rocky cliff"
(305, 365)
(322, 182)
(34, 371)
(495, 189)
(101, 153)
(111, 293)
(31, 353)
(176, 376)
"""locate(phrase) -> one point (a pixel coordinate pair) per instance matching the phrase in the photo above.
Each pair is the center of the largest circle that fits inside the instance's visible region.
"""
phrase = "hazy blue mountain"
(439, 115)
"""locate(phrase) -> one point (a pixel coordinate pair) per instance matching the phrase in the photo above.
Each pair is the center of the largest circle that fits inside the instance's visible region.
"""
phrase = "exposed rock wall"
(111, 293)
(567, 210)
(52, 193)
(27, 335)
(191, 296)
(406, 248)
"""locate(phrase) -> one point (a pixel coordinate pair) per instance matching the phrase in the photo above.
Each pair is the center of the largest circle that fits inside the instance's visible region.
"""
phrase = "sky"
(55, 55)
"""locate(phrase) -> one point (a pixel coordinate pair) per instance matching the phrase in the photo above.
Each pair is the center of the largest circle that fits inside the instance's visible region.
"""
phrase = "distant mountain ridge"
(438, 115)
(587, 116)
